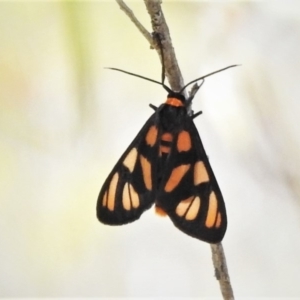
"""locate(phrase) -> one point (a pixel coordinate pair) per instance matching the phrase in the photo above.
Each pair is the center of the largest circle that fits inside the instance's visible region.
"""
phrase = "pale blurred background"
(65, 120)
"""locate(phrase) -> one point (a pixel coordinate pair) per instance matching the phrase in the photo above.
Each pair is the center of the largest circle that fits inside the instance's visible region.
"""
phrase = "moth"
(166, 165)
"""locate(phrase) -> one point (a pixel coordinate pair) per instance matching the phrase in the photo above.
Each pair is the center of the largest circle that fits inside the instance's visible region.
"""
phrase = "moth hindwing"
(166, 164)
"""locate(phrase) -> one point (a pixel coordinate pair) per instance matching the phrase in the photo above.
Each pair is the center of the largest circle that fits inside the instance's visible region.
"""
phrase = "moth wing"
(129, 189)
(189, 192)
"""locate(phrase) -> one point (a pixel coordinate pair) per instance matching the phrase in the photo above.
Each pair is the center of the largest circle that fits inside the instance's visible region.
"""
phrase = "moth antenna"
(136, 75)
(209, 74)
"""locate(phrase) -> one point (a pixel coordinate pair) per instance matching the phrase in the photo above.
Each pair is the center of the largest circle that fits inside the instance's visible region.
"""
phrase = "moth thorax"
(171, 118)
(175, 101)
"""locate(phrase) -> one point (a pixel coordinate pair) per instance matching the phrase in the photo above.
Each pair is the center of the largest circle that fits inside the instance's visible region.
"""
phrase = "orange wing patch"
(164, 149)
(189, 208)
(146, 168)
(160, 211)
(184, 141)
(130, 159)
(167, 137)
(151, 136)
(112, 192)
(130, 198)
(176, 176)
(104, 200)
(212, 210)
(200, 173)
(219, 220)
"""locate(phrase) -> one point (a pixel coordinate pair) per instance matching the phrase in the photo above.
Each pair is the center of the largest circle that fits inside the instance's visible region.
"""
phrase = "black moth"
(166, 165)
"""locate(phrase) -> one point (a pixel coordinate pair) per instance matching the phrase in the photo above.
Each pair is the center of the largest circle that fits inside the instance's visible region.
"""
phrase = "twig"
(136, 22)
(221, 271)
(160, 27)
(174, 76)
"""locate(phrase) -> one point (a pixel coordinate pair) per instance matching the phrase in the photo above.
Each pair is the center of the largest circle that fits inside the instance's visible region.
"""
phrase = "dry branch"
(174, 76)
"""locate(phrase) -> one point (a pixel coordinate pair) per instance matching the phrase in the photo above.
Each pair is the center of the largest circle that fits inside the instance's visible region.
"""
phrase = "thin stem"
(136, 22)
(221, 271)
(160, 27)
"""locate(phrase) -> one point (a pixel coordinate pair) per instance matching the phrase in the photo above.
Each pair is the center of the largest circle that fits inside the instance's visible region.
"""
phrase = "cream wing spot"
(200, 173)
(135, 200)
(130, 159)
(193, 210)
(212, 210)
(130, 198)
(112, 192)
(146, 168)
(126, 197)
(183, 206)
